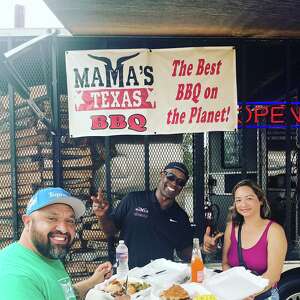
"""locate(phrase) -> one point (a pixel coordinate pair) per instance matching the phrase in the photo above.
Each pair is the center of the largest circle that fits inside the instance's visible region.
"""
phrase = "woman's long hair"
(265, 211)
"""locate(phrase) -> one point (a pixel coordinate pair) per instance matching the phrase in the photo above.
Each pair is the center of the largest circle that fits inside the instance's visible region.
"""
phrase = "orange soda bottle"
(197, 266)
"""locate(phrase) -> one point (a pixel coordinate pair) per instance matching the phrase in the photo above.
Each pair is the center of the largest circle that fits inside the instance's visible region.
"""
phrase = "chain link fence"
(31, 157)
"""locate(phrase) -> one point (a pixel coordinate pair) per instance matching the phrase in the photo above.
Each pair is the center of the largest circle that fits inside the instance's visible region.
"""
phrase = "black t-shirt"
(148, 231)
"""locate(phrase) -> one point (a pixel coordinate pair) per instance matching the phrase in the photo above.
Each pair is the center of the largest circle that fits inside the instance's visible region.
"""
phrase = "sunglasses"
(172, 177)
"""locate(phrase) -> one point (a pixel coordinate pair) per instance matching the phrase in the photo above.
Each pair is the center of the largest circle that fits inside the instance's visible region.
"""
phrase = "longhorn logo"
(110, 71)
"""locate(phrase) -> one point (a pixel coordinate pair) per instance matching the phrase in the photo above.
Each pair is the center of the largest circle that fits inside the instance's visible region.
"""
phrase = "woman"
(263, 241)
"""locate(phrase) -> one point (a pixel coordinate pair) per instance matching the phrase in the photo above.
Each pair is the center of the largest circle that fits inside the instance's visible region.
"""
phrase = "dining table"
(234, 284)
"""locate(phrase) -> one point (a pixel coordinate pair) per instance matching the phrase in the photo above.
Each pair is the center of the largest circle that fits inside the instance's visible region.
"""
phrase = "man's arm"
(103, 271)
(108, 226)
(100, 209)
(185, 254)
(209, 246)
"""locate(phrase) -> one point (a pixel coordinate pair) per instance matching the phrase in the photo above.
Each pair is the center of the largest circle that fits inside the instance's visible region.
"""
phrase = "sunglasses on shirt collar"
(172, 177)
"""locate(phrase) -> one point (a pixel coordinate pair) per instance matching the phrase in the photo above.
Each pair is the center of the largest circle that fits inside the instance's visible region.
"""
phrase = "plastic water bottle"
(122, 260)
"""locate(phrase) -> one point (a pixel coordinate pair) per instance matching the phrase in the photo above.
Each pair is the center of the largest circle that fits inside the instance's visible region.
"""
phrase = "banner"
(143, 91)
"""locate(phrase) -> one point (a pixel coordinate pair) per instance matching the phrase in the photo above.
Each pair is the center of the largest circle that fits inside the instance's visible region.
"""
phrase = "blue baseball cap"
(54, 195)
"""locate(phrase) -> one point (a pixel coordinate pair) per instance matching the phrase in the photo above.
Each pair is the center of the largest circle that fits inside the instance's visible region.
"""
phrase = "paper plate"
(101, 286)
(94, 294)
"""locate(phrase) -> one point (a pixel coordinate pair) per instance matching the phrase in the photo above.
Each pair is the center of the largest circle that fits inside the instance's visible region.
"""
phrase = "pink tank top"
(256, 257)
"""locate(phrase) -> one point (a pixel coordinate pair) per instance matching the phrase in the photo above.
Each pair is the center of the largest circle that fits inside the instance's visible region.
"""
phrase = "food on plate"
(124, 297)
(117, 287)
(205, 297)
(175, 292)
(134, 287)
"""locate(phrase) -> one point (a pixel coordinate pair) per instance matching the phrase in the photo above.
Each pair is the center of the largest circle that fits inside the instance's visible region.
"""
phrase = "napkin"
(162, 272)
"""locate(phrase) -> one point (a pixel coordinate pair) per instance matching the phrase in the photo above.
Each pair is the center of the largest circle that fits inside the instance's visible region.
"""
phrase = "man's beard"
(49, 250)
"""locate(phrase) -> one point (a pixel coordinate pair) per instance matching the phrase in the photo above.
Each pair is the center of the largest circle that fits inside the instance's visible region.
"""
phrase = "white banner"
(142, 91)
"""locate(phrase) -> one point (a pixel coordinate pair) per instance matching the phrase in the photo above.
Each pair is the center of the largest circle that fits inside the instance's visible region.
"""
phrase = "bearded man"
(31, 269)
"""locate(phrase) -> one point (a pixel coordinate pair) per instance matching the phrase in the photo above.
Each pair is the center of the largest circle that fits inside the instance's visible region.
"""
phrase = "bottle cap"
(121, 241)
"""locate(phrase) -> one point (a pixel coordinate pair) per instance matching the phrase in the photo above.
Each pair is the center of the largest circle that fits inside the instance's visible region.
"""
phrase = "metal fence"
(36, 151)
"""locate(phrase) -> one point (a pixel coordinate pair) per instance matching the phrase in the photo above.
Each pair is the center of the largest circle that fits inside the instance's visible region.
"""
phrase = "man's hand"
(103, 271)
(209, 242)
(100, 205)
(100, 209)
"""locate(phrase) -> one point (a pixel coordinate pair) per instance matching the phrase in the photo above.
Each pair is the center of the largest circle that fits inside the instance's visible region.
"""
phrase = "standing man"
(152, 224)
(31, 269)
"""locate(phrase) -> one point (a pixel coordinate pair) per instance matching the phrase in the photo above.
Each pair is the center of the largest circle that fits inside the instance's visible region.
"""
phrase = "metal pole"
(243, 153)
(13, 157)
(147, 162)
(111, 240)
(108, 169)
(297, 187)
(56, 139)
(198, 183)
(288, 145)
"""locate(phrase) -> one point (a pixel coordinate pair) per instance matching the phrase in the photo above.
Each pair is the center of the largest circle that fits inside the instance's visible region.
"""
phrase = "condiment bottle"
(197, 266)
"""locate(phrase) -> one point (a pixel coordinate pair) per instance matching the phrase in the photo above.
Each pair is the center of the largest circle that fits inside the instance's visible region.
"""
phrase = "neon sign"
(269, 114)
